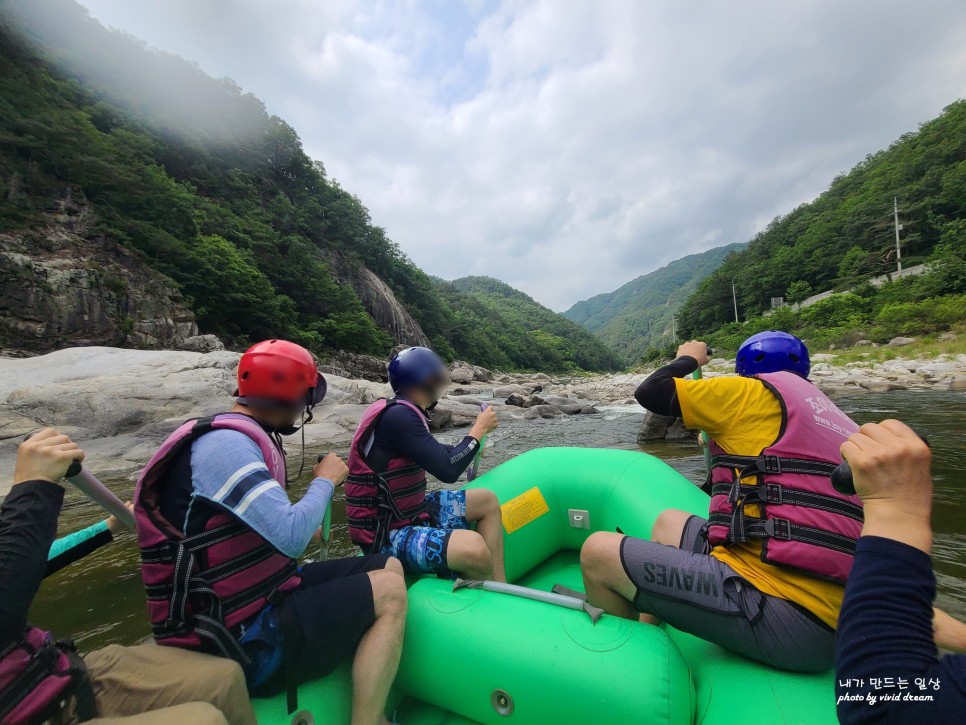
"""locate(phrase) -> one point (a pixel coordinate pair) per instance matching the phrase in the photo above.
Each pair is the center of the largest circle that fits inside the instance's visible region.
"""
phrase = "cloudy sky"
(567, 147)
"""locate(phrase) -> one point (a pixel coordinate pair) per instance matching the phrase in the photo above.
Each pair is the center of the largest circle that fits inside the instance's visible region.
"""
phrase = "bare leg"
(483, 507)
(605, 582)
(468, 554)
(949, 633)
(377, 657)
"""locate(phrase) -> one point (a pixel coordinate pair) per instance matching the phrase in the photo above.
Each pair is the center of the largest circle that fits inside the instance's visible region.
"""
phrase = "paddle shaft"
(326, 528)
(473, 470)
(88, 484)
(705, 440)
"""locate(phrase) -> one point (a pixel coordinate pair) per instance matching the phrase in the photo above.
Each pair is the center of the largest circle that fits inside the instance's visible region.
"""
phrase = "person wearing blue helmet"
(763, 575)
(387, 505)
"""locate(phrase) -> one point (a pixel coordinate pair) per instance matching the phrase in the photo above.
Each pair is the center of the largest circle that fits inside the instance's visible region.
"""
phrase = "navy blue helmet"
(772, 352)
(417, 367)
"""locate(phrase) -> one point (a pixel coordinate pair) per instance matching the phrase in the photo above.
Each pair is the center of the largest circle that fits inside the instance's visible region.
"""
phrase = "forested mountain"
(846, 234)
(193, 177)
(637, 316)
(516, 330)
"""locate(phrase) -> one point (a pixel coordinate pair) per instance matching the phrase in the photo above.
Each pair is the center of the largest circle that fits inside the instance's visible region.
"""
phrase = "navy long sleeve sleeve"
(400, 432)
(885, 637)
(28, 524)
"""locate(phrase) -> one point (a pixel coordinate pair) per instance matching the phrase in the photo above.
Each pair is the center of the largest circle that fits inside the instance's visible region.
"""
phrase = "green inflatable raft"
(479, 656)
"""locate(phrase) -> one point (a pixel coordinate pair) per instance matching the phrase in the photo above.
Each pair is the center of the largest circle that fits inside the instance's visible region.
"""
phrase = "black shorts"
(332, 610)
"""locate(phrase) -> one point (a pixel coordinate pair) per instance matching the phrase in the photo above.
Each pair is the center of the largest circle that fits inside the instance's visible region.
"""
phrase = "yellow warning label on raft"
(520, 511)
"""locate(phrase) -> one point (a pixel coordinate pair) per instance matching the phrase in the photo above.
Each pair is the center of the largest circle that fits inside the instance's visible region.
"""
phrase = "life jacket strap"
(43, 664)
(742, 527)
(774, 493)
(749, 465)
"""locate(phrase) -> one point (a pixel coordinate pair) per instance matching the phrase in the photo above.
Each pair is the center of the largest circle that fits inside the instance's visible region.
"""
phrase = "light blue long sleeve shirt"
(228, 470)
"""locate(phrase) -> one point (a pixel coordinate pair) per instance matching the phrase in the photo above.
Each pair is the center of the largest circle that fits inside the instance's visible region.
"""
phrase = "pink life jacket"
(804, 523)
(39, 677)
(200, 588)
(380, 502)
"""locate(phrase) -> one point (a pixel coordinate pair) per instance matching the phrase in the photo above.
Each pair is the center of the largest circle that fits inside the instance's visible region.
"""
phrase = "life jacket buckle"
(773, 493)
(778, 529)
(769, 464)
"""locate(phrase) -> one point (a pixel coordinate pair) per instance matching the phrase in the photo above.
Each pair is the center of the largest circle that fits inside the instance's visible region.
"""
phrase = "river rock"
(542, 411)
(461, 372)
(900, 341)
(355, 365)
(505, 391)
(958, 383)
(822, 357)
(541, 377)
(678, 433)
(863, 343)
(202, 343)
(654, 427)
(452, 414)
(947, 336)
(881, 386)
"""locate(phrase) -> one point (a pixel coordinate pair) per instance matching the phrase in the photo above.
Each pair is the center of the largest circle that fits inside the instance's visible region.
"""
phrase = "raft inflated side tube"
(493, 658)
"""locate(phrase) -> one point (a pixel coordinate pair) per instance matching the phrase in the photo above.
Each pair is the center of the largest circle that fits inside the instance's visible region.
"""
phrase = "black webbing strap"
(291, 645)
(784, 530)
(84, 699)
(773, 493)
(773, 465)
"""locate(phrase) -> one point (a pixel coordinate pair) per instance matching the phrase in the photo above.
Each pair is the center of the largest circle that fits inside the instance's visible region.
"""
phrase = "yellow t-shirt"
(744, 417)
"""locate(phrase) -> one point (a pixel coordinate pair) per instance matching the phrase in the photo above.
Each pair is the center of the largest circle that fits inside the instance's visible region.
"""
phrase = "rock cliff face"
(61, 286)
(380, 302)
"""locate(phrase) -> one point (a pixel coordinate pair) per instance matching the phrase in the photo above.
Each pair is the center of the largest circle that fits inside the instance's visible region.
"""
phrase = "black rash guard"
(884, 644)
(658, 392)
(401, 434)
(28, 524)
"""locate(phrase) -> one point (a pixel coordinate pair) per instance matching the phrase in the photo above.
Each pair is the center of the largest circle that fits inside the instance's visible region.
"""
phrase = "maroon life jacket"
(804, 523)
(200, 588)
(39, 677)
(380, 502)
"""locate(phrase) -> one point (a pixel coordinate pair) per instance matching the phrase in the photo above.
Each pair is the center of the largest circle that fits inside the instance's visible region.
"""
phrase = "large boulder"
(901, 341)
(462, 373)
(654, 427)
(202, 343)
(452, 414)
(505, 391)
(542, 411)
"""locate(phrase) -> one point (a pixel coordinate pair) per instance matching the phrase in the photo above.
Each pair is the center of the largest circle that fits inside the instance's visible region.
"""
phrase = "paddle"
(841, 477)
(96, 491)
(704, 439)
(537, 595)
(326, 528)
(475, 465)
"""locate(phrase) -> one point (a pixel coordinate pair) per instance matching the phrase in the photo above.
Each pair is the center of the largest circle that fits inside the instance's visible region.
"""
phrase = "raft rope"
(537, 595)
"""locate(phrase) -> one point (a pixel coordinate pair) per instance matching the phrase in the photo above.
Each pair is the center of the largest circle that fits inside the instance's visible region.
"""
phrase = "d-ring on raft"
(474, 655)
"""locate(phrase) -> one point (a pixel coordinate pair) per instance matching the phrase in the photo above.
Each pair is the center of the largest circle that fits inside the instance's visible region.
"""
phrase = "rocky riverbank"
(121, 403)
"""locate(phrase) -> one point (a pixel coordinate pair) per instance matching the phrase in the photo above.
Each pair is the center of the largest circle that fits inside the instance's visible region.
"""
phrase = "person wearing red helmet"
(219, 540)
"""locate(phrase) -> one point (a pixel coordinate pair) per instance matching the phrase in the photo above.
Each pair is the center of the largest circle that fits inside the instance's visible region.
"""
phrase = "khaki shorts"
(147, 684)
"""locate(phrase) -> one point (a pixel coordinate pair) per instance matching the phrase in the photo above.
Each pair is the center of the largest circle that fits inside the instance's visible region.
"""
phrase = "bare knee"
(469, 552)
(669, 526)
(599, 548)
(395, 566)
(491, 504)
(388, 593)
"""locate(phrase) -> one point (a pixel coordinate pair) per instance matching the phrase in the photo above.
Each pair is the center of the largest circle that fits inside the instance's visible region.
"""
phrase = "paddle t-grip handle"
(842, 479)
(88, 484)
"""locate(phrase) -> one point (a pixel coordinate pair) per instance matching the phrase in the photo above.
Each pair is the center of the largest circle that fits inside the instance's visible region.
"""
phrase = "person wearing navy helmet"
(763, 573)
(387, 505)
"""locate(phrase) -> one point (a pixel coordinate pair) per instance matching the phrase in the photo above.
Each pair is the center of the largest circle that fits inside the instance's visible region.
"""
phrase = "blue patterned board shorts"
(422, 549)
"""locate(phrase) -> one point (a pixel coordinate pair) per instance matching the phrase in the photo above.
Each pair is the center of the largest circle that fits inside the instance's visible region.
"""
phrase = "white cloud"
(569, 147)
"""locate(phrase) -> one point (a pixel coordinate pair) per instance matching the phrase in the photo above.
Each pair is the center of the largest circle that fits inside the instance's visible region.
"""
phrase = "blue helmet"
(416, 367)
(771, 352)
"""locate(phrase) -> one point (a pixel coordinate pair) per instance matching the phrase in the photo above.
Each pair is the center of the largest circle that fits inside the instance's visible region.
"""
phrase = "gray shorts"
(694, 592)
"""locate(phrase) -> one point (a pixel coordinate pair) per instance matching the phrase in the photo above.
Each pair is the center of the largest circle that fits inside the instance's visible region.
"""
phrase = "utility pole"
(734, 298)
(895, 212)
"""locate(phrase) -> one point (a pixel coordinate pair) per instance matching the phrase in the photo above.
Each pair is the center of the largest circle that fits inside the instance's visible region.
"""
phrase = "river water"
(99, 600)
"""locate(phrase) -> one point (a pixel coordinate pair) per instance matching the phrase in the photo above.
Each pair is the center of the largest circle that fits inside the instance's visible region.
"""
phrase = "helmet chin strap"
(292, 430)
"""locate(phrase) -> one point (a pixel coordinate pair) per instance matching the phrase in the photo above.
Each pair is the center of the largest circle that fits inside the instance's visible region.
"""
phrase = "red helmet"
(278, 373)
